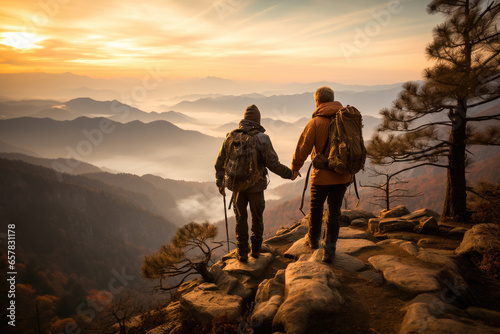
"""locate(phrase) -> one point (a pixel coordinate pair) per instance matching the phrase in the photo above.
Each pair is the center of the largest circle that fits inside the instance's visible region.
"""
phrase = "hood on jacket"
(327, 109)
(252, 113)
(247, 125)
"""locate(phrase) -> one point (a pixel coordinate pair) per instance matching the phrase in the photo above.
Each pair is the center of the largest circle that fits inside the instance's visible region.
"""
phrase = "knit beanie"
(252, 113)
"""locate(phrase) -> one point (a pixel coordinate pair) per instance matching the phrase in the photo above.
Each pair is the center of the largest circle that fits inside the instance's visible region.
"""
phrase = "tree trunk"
(201, 268)
(455, 201)
(387, 199)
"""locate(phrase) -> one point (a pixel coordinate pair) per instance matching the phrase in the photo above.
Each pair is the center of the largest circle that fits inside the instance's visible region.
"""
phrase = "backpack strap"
(328, 137)
(356, 190)
(305, 188)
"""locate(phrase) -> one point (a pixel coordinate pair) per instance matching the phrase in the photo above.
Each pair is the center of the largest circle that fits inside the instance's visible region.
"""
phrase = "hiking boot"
(328, 256)
(255, 251)
(242, 256)
(312, 244)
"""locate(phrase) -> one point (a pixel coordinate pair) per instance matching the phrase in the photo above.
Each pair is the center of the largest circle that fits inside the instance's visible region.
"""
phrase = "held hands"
(222, 191)
(295, 174)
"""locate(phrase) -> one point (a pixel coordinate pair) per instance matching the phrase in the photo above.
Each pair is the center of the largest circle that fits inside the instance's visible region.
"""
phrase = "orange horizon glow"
(291, 41)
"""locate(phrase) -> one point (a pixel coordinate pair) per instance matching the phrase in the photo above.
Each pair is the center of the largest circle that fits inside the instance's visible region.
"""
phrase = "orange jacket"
(313, 139)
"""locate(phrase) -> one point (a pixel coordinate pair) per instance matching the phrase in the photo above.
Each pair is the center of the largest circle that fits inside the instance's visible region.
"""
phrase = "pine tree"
(465, 74)
(187, 254)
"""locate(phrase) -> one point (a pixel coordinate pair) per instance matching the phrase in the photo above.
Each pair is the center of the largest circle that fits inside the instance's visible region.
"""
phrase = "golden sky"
(356, 41)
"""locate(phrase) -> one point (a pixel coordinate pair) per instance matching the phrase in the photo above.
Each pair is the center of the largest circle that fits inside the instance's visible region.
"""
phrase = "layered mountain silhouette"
(158, 146)
(295, 105)
(87, 107)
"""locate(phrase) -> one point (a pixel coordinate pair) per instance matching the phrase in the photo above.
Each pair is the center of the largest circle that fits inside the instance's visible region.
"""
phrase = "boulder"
(268, 288)
(230, 284)
(373, 225)
(407, 278)
(254, 267)
(427, 225)
(297, 249)
(264, 313)
(207, 304)
(409, 247)
(311, 289)
(398, 211)
(342, 260)
(280, 276)
(422, 213)
(480, 238)
(350, 246)
(350, 233)
(360, 222)
(268, 299)
(348, 216)
(428, 314)
(395, 224)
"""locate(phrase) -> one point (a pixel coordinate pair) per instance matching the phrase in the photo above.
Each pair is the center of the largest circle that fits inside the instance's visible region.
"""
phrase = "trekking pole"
(304, 191)
(225, 216)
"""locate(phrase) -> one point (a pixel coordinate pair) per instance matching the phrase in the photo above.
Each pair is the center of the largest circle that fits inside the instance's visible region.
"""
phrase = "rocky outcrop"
(351, 246)
(421, 221)
(398, 211)
(207, 302)
(268, 299)
(427, 225)
(480, 238)
(405, 277)
(342, 261)
(254, 267)
(351, 233)
(291, 301)
(428, 314)
(310, 288)
(349, 215)
(291, 234)
(359, 222)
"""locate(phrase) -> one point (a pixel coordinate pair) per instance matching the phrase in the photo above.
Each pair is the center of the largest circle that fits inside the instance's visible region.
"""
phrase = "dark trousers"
(335, 195)
(257, 206)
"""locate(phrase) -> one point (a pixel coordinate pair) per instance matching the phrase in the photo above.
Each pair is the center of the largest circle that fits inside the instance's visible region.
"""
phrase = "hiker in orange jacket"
(325, 184)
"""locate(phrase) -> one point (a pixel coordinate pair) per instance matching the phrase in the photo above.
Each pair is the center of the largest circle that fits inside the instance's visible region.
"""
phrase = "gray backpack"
(242, 166)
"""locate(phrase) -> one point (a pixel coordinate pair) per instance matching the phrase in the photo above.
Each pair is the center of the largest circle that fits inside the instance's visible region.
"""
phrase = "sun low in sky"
(357, 41)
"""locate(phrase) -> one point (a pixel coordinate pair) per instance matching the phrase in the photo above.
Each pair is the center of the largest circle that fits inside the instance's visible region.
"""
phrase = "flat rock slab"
(206, 305)
(311, 289)
(372, 276)
(350, 246)
(342, 261)
(253, 267)
(293, 235)
(351, 233)
(422, 213)
(407, 278)
(360, 222)
(297, 249)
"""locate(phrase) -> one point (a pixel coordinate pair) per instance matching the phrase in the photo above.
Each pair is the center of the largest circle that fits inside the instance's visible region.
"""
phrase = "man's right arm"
(304, 146)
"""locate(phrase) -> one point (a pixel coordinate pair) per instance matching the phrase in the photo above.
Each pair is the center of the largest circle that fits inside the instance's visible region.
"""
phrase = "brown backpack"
(347, 152)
